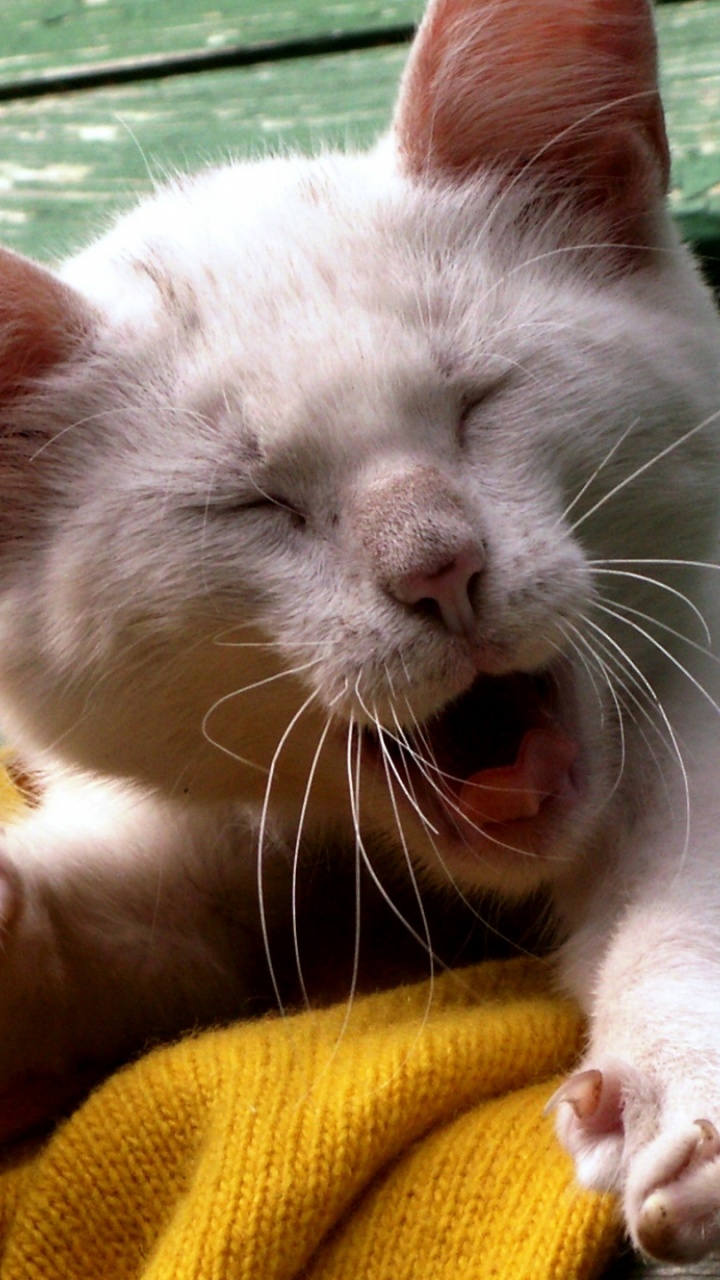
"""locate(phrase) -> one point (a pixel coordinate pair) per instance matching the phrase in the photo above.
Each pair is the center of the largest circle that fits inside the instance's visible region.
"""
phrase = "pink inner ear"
(42, 321)
(566, 88)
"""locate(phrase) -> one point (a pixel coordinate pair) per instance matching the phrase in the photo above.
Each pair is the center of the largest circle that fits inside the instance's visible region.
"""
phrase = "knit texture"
(399, 1139)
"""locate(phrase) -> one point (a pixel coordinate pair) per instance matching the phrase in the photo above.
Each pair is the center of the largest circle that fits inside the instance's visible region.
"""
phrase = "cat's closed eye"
(272, 503)
(474, 399)
(240, 504)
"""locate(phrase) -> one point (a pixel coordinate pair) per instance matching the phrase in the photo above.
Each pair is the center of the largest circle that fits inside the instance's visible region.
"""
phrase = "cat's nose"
(448, 589)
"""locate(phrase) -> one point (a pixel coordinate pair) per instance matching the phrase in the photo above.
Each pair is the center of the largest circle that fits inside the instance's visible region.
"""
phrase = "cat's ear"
(564, 91)
(42, 323)
(44, 326)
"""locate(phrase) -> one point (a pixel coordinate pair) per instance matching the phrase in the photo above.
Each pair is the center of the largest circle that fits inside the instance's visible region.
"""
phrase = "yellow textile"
(402, 1140)
(11, 800)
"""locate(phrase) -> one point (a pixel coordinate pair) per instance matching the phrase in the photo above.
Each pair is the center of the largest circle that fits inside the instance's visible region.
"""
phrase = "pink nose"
(450, 587)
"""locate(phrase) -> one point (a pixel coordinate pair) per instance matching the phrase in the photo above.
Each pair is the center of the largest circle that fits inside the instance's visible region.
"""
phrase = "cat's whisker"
(450, 806)
(408, 678)
(607, 603)
(71, 426)
(260, 845)
(676, 752)
(154, 181)
(615, 446)
(583, 660)
(381, 732)
(443, 863)
(510, 363)
(265, 644)
(232, 627)
(580, 246)
(360, 846)
(615, 653)
(623, 681)
(391, 686)
(353, 783)
(353, 776)
(628, 662)
(483, 350)
(667, 653)
(296, 859)
(627, 705)
(618, 712)
(677, 443)
(669, 560)
(432, 958)
(220, 643)
(608, 667)
(598, 568)
(113, 413)
(389, 766)
(341, 693)
(425, 763)
(631, 707)
(452, 809)
(586, 655)
(236, 693)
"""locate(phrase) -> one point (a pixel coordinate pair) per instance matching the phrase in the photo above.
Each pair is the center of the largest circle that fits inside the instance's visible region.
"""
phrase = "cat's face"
(313, 509)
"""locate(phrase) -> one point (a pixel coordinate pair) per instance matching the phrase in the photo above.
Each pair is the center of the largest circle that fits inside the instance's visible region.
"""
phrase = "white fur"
(286, 360)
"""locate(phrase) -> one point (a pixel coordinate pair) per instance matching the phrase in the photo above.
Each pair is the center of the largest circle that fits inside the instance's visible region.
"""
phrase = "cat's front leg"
(642, 1115)
(121, 920)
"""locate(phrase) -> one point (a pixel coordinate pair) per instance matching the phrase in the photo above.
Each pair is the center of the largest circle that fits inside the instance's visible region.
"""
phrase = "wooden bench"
(100, 98)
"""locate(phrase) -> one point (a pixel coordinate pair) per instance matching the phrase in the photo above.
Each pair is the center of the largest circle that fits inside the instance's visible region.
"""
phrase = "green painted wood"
(51, 35)
(67, 162)
(690, 61)
(40, 36)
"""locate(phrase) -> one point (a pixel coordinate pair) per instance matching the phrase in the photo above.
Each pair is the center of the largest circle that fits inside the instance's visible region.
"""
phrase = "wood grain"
(67, 162)
(49, 35)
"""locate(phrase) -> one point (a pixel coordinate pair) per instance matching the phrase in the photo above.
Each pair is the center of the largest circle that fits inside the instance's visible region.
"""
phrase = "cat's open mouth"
(499, 754)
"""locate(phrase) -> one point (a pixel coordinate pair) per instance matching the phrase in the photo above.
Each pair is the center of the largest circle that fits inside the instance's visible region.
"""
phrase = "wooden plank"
(40, 36)
(690, 48)
(66, 162)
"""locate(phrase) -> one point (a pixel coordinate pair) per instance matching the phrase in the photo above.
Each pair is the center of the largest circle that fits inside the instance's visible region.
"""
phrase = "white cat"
(365, 496)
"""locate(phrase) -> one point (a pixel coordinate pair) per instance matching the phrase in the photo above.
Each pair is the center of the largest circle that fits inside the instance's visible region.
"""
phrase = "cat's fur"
(290, 458)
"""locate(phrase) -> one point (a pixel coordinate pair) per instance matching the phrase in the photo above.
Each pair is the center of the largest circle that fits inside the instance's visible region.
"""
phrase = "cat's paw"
(678, 1218)
(623, 1136)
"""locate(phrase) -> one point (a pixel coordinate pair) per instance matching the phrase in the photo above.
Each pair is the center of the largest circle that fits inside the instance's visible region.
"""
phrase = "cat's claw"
(595, 1099)
(670, 1184)
(583, 1092)
(679, 1219)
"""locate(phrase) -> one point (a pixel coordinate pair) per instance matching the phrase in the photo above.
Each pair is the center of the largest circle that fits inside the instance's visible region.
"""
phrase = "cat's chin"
(500, 776)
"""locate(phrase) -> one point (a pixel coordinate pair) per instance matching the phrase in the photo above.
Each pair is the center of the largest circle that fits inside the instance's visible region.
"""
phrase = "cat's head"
(308, 465)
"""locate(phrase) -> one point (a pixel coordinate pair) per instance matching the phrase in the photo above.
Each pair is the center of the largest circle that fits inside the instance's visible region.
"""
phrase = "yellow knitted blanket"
(402, 1139)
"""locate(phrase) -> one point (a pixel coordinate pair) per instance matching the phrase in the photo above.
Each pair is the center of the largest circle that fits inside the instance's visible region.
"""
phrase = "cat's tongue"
(511, 792)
